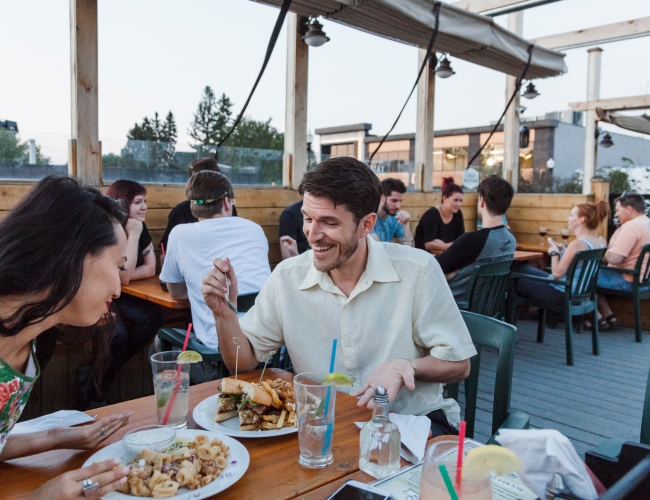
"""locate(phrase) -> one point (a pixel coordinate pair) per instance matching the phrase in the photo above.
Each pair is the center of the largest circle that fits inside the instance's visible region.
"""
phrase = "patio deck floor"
(598, 398)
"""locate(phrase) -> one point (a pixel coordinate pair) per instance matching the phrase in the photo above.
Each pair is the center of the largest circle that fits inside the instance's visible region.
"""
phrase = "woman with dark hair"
(62, 249)
(138, 320)
(441, 225)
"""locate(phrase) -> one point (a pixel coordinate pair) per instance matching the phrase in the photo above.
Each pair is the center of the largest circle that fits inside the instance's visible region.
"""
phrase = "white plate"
(204, 414)
(237, 464)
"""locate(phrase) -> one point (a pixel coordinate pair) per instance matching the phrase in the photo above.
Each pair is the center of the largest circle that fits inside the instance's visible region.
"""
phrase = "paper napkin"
(414, 433)
(61, 418)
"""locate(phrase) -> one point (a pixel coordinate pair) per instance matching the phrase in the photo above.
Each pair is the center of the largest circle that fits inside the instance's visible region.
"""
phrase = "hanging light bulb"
(607, 141)
(531, 91)
(444, 69)
(315, 36)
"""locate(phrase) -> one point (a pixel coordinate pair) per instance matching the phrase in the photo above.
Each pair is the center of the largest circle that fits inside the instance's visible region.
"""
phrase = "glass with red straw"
(461, 446)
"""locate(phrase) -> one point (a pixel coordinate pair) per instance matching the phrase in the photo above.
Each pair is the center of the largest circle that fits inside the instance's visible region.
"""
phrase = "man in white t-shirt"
(193, 247)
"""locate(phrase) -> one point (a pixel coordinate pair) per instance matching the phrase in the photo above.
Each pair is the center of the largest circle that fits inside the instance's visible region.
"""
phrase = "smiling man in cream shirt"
(389, 306)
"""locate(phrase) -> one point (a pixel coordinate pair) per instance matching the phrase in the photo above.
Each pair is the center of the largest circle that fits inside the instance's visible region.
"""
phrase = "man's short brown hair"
(206, 190)
(633, 200)
(207, 163)
(497, 194)
(389, 185)
(344, 181)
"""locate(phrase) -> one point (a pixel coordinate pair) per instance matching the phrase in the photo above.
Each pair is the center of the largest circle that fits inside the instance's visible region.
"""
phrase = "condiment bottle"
(380, 441)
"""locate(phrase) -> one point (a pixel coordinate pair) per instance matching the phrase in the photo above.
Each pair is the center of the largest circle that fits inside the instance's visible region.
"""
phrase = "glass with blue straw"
(315, 406)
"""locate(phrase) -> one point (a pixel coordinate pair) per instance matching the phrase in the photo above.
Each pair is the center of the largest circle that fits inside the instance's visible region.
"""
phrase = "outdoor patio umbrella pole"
(512, 98)
(269, 50)
(436, 12)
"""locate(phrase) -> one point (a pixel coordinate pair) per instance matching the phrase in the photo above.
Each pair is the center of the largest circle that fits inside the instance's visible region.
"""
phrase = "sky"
(158, 55)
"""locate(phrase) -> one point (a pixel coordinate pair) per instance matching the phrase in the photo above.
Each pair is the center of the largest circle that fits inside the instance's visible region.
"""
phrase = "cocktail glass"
(315, 409)
(475, 482)
(171, 387)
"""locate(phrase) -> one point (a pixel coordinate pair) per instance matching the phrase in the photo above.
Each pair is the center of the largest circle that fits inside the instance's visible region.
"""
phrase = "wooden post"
(83, 85)
(591, 119)
(600, 189)
(424, 126)
(295, 133)
(511, 124)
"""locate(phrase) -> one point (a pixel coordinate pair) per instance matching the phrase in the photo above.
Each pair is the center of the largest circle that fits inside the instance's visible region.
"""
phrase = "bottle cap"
(381, 396)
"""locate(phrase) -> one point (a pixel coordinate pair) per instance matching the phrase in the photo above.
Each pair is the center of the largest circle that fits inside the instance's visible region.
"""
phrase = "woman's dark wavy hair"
(43, 244)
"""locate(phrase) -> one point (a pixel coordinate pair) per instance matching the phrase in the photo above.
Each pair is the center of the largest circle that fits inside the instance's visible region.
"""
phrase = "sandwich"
(255, 403)
(229, 397)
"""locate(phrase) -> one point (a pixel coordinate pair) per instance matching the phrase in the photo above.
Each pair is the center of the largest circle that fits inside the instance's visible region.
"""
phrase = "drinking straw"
(177, 377)
(328, 432)
(461, 444)
(448, 483)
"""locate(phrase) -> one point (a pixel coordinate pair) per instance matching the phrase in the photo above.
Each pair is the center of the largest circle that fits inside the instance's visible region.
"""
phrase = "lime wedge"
(189, 357)
(492, 458)
(163, 398)
(337, 379)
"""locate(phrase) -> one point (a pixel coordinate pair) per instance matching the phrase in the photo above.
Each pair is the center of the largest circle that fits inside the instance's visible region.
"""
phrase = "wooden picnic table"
(519, 255)
(533, 247)
(149, 289)
(274, 471)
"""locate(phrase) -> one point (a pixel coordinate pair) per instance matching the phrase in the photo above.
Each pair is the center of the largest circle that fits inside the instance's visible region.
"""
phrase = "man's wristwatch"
(553, 253)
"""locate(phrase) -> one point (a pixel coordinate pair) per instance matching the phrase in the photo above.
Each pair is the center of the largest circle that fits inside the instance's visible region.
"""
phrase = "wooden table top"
(519, 255)
(149, 289)
(533, 247)
(273, 472)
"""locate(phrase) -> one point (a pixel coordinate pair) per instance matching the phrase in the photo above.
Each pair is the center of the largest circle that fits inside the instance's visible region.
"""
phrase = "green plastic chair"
(175, 337)
(486, 289)
(640, 290)
(490, 332)
(579, 298)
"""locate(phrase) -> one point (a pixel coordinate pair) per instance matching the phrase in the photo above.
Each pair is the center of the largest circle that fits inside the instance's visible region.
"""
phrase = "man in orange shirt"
(624, 249)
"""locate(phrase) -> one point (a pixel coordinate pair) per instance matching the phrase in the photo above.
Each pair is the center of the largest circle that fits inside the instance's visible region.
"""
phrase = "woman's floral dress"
(15, 388)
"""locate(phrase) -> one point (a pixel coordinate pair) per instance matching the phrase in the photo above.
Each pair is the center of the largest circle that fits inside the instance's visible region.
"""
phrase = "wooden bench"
(623, 309)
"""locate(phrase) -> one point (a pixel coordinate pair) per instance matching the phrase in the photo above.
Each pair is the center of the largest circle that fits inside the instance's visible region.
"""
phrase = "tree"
(211, 119)
(256, 135)
(160, 136)
(13, 152)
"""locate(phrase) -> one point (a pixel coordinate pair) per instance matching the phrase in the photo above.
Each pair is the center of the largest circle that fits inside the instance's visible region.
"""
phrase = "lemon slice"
(491, 458)
(189, 357)
(337, 379)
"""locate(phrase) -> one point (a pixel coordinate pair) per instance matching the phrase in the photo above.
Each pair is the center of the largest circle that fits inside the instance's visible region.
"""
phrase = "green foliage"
(620, 182)
(151, 144)
(211, 119)
(573, 185)
(13, 152)
(258, 135)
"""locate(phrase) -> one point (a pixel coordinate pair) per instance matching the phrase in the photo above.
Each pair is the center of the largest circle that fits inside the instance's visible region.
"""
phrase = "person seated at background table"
(193, 247)
(292, 238)
(138, 320)
(623, 250)
(388, 305)
(504, 220)
(182, 213)
(493, 243)
(62, 249)
(391, 221)
(440, 226)
(583, 221)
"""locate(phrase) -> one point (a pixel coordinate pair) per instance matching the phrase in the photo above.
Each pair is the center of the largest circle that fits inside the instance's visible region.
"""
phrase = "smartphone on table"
(354, 490)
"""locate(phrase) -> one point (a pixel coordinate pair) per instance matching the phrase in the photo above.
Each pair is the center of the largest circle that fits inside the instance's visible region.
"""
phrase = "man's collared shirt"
(400, 308)
(388, 228)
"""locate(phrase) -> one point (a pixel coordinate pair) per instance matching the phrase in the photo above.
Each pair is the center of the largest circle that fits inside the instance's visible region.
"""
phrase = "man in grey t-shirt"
(493, 243)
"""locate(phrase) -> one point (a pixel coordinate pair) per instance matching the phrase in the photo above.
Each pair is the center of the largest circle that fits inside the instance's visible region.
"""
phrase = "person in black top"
(493, 243)
(181, 213)
(440, 226)
(138, 320)
(292, 238)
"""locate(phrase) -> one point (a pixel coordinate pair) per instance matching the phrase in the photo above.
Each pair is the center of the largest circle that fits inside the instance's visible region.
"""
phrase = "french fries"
(281, 419)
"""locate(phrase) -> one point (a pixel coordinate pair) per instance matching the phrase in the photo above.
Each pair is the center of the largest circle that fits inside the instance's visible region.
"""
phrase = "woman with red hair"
(138, 320)
(442, 224)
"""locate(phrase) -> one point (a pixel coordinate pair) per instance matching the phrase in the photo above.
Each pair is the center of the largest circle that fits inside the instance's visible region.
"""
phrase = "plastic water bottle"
(379, 445)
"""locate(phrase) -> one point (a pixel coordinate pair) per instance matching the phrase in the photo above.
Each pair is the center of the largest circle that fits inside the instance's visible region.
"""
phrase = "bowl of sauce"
(149, 437)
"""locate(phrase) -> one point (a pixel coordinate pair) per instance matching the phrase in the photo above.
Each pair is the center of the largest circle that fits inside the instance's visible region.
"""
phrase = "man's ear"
(367, 224)
(382, 200)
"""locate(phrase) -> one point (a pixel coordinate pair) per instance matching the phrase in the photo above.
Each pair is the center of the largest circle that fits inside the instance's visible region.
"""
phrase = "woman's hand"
(107, 475)
(133, 228)
(88, 437)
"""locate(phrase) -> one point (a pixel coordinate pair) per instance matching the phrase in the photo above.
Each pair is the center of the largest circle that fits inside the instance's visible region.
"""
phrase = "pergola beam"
(478, 6)
(600, 34)
(614, 104)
